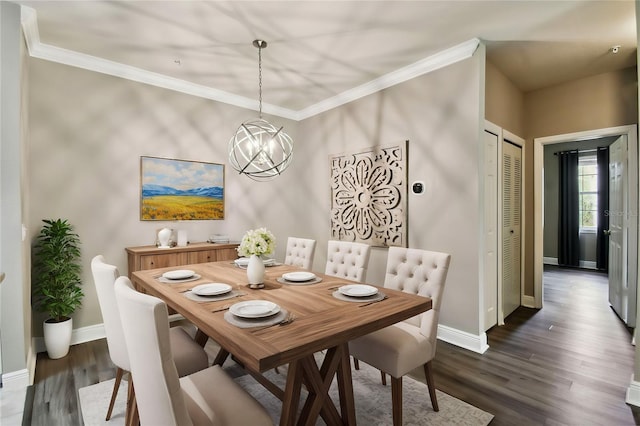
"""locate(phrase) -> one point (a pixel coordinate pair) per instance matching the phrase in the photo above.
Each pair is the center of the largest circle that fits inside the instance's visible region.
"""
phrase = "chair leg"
(132, 417)
(383, 378)
(356, 363)
(396, 400)
(428, 373)
(114, 393)
(201, 338)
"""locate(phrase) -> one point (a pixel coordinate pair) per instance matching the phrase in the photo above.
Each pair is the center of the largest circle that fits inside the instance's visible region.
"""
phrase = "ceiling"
(318, 50)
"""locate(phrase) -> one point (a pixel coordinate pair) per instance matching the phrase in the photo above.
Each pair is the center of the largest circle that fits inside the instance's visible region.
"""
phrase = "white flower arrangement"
(257, 241)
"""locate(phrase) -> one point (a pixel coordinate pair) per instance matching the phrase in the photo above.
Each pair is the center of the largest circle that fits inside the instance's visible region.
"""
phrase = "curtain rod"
(580, 151)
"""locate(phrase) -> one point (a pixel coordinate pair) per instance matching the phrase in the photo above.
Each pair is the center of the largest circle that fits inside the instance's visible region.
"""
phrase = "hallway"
(569, 363)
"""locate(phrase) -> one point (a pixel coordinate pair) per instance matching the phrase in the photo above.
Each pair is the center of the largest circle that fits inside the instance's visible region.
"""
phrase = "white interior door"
(490, 273)
(511, 226)
(618, 228)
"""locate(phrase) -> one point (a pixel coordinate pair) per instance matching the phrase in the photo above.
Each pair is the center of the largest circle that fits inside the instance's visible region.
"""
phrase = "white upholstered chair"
(189, 357)
(402, 347)
(208, 397)
(348, 260)
(300, 252)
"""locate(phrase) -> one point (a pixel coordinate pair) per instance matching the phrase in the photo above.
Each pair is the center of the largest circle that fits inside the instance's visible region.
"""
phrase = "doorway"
(629, 211)
(504, 218)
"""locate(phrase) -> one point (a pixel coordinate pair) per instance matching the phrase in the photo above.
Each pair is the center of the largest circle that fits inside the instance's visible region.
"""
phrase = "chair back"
(104, 277)
(423, 273)
(300, 252)
(158, 392)
(348, 260)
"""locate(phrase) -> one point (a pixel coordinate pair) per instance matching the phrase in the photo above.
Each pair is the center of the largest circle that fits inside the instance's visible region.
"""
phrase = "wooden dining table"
(323, 323)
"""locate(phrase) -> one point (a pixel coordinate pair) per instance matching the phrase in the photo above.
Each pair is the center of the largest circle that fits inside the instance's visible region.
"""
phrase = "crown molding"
(40, 50)
(431, 63)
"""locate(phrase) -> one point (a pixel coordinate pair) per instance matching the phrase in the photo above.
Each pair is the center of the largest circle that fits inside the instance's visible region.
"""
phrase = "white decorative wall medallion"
(369, 196)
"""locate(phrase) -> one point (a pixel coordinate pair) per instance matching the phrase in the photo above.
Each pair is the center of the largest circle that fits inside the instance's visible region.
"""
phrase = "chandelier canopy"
(259, 149)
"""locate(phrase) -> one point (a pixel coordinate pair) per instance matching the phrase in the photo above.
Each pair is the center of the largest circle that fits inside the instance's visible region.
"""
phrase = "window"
(588, 187)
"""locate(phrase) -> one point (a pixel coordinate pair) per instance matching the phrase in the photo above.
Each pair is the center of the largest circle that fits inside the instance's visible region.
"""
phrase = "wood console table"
(151, 257)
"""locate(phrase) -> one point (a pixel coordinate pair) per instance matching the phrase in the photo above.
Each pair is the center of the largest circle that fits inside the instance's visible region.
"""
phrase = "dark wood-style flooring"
(567, 364)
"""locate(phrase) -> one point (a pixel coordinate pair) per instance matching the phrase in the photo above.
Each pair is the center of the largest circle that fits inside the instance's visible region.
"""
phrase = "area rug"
(373, 402)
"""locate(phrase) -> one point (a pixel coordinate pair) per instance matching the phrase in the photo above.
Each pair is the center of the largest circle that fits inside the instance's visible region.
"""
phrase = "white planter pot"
(57, 337)
(255, 271)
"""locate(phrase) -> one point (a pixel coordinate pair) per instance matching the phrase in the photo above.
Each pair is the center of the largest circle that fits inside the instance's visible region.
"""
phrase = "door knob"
(606, 231)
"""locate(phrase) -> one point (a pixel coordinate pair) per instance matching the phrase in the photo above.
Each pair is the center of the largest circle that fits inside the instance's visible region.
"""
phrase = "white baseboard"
(633, 393)
(528, 301)
(451, 335)
(16, 380)
(87, 334)
(79, 335)
(472, 342)
(21, 379)
(586, 264)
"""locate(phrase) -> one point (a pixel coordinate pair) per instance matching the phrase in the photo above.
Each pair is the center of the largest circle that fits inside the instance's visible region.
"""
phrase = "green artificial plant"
(56, 266)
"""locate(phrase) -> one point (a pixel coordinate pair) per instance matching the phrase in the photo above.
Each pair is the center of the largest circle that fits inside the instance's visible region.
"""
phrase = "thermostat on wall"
(417, 187)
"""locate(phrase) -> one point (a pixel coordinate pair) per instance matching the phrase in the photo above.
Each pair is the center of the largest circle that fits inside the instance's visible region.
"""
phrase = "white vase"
(182, 238)
(255, 271)
(164, 235)
(57, 337)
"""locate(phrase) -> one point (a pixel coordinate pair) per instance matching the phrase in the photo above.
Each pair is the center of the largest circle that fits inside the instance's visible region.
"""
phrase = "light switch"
(417, 187)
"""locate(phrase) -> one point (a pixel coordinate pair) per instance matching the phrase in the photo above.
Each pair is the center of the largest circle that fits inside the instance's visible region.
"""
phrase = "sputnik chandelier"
(259, 149)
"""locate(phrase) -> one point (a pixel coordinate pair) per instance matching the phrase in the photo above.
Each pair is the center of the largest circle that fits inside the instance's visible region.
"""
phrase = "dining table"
(316, 316)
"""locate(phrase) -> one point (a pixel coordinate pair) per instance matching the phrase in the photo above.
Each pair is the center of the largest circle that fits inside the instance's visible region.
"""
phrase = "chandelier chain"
(260, 77)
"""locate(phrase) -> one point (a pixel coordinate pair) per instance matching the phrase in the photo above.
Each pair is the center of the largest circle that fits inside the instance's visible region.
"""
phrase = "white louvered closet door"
(511, 226)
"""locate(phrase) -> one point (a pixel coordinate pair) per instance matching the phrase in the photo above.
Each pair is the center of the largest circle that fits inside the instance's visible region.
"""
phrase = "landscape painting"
(180, 189)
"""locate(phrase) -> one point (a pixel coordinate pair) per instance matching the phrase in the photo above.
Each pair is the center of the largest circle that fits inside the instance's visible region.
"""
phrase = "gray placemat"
(255, 322)
(230, 295)
(195, 277)
(313, 281)
(373, 298)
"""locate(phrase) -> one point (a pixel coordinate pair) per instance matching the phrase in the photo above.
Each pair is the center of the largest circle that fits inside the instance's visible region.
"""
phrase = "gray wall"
(15, 315)
(551, 198)
(89, 130)
(439, 115)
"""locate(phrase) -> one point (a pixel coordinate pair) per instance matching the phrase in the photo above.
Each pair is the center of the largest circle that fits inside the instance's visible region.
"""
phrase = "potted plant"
(56, 283)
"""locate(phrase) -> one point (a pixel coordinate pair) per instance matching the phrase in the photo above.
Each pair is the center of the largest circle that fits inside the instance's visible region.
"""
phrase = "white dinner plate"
(244, 261)
(211, 289)
(254, 309)
(179, 274)
(299, 276)
(358, 290)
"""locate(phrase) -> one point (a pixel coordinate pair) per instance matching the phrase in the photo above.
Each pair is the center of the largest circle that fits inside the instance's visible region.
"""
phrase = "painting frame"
(369, 195)
(177, 190)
